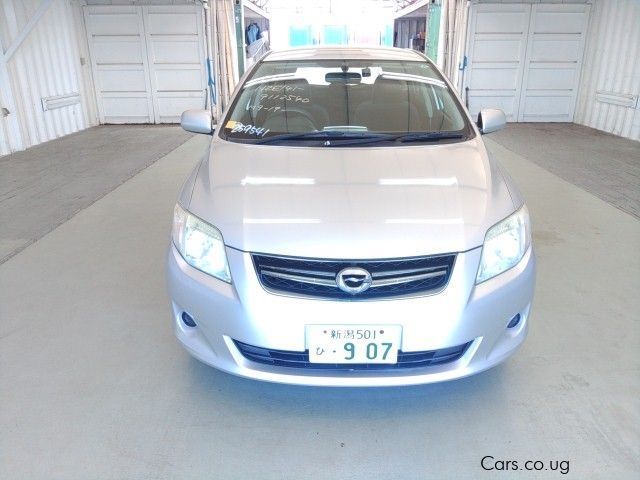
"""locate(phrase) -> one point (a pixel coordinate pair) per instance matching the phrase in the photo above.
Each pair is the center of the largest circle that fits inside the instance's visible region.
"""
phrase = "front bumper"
(245, 312)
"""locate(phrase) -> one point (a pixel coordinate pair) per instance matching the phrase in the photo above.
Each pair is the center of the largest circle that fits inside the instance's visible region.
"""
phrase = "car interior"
(393, 106)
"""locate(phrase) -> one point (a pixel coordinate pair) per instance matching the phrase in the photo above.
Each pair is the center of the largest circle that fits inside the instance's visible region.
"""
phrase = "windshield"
(287, 102)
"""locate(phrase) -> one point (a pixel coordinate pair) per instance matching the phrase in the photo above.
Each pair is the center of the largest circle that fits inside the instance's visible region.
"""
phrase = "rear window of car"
(386, 96)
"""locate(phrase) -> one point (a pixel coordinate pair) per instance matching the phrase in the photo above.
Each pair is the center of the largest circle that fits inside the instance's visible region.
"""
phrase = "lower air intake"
(291, 359)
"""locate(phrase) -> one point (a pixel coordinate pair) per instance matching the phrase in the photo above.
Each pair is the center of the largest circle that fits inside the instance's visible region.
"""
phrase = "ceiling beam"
(256, 9)
(410, 8)
(24, 33)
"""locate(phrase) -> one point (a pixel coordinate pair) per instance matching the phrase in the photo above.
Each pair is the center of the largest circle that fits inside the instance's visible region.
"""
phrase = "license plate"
(353, 343)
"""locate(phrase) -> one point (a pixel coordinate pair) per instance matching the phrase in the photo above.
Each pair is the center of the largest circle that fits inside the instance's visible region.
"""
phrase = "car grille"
(285, 358)
(390, 278)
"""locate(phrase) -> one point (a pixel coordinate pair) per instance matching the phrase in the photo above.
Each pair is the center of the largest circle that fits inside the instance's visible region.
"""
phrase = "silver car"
(347, 227)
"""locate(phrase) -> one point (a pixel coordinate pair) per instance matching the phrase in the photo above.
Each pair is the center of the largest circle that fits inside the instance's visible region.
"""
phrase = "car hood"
(350, 203)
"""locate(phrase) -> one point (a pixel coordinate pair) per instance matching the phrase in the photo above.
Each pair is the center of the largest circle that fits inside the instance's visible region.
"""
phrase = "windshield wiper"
(402, 138)
(356, 138)
(428, 136)
(323, 135)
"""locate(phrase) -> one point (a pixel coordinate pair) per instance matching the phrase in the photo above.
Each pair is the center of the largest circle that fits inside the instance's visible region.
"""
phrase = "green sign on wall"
(239, 23)
(433, 32)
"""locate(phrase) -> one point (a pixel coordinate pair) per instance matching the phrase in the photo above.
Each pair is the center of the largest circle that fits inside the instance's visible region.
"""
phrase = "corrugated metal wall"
(46, 64)
(611, 69)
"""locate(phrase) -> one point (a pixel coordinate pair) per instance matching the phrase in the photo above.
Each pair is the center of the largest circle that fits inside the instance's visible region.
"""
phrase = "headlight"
(200, 244)
(504, 245)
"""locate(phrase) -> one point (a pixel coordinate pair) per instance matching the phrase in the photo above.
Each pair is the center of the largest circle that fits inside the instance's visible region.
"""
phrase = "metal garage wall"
(45, 65)
(452, 44)
(610, 86)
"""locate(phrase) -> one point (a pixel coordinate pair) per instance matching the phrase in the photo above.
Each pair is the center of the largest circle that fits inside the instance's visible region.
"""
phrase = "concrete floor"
(57, 179)
(94, 386)
(603, 164)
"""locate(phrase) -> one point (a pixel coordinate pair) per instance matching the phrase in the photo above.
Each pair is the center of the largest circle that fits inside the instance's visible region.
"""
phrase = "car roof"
(343, 53)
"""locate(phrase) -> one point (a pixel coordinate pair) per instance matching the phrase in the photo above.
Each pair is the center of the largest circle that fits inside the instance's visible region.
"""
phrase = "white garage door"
(526, 59)
(147, 62)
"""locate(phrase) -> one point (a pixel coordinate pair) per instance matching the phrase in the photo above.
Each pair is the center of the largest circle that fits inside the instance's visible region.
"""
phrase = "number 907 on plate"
(353, 343)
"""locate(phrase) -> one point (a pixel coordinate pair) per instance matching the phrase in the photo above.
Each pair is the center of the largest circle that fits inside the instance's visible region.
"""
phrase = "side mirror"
(491, 120)
(197, 121)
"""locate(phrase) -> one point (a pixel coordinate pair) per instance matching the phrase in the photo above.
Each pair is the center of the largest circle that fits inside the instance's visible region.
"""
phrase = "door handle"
(4, 112)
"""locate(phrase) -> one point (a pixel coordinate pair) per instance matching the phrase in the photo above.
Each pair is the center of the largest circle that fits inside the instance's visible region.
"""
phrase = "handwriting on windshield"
(280, 88)
(237, 127)
(286, 98)
(259, 107)
(285, 93)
